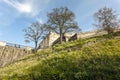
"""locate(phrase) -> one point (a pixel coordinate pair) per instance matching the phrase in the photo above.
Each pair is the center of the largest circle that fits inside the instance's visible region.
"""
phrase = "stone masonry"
(50, 39)
(9, 54)
(53, 38)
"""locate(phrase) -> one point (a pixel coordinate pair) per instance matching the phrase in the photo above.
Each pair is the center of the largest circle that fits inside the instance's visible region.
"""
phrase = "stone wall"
(48, 40)
(53, 38)
(10, 55)
(90, 34)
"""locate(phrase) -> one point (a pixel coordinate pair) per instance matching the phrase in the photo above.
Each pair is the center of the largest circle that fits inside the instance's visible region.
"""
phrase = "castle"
(53, 38)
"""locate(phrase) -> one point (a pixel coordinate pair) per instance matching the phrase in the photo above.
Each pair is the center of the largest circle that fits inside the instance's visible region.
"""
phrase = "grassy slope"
(100, 61)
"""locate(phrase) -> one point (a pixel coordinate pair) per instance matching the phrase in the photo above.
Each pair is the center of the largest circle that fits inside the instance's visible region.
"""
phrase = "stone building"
(53, 38)
(66, 38)
(48, 40)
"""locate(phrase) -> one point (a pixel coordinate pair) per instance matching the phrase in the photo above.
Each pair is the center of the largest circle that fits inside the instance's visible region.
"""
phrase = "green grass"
(100, 61)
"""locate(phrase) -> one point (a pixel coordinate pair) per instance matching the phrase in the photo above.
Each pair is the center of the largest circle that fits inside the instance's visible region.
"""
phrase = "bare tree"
(34, 33)
(61, 20)
(106, 19)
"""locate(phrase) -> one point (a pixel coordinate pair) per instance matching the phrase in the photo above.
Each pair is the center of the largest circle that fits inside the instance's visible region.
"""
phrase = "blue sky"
(15, 15)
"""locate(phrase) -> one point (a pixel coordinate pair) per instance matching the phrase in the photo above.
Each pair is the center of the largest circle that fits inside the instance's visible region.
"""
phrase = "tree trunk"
(61, 35)
(35, 46)
(61, 38)
(110, 31)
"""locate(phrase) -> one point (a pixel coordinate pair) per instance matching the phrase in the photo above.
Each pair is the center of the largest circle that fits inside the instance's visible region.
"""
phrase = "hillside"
(96, 58)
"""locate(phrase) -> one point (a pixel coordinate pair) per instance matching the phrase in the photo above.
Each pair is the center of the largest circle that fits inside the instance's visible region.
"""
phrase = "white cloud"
(19, 6)
(31, 7)
(24, 8)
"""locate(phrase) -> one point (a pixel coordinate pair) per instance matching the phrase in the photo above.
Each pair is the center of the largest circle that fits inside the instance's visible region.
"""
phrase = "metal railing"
(15, 45)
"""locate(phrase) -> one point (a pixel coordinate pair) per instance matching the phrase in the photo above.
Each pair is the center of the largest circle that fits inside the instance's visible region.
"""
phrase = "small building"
(48, 40)
(53, 38)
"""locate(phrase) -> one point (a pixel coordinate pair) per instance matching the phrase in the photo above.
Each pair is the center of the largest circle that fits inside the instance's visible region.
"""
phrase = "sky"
(16, 15)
